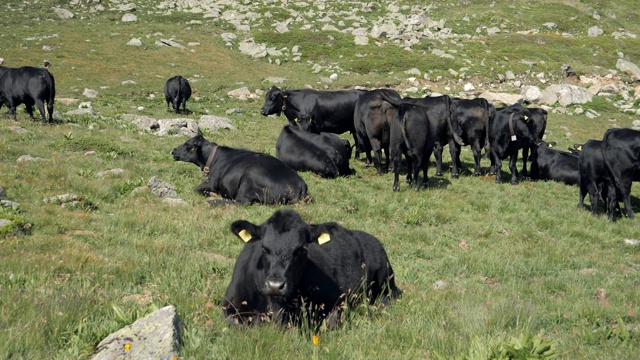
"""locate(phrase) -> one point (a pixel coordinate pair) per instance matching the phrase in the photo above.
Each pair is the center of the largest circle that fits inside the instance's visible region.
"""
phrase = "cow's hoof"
(455, 176)
(514, 182)
(439, 174)
(396, 188)
(477, 174)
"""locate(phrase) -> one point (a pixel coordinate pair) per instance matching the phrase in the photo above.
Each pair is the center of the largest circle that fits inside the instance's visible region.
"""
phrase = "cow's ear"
(319, 234)
(552, 144)
(245, 230)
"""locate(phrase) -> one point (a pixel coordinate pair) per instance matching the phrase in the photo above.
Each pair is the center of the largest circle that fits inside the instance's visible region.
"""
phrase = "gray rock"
(110, 172)
(127, 7)
(510, 75)
(628, 68)
(595, 31)
(240, 93)
(179, 126)
(142, 121)
(550, 25)
(81, 112)
(214, 123)
(492, 31)
(9, 204)
(19, 130)
(501, 99)
(249, 47)
(361, 40)
(155, 336)
(129, 18)
(90, 93)
(274, 80)
(26, 158)
(532, 94)
(565, 95)
(161, 188)
(4, 222)
(64, 200)
(170, 43)
(413, 71)
(63, 13)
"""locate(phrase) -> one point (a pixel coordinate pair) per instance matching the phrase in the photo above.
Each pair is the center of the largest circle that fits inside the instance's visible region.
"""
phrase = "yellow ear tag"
(549, 145)
(579, 148)
(324, 238)
(526, 118)
(296, 120)
(244, 235)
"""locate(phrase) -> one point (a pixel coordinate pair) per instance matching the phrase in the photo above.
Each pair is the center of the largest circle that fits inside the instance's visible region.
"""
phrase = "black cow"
(548, 163)
(328, 111)
(539, 118)
(443, 126)
(595, 179)
(289, 272)
(410, 136)
(508, 132)
(324, 154)
(29, 86)
(372, 118)
(176, 92)
(241, 175)
(473, 116)
(621, 153)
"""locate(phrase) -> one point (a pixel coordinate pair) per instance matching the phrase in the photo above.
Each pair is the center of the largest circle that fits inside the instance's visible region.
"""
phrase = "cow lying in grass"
(241, 175)
(290, 272)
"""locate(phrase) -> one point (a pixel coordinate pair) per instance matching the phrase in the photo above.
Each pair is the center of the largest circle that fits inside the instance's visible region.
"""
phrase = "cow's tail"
(614, 172)
(403, 126)
(179, 96)
(393, 101)
(487, 116)
(451, 112)
(51, 85)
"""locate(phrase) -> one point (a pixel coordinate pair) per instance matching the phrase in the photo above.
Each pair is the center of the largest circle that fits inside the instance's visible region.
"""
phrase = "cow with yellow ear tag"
(290, 272)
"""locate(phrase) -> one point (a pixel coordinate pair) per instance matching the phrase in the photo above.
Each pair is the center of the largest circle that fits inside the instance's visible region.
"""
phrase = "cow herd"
(291, 272)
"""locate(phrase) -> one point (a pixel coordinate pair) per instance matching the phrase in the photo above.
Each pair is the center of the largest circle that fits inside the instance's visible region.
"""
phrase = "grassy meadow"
(486, 269)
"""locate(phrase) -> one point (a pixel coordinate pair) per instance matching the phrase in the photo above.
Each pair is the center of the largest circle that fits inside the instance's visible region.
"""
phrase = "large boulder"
(565, 95)
(155, 336)
(629, 68)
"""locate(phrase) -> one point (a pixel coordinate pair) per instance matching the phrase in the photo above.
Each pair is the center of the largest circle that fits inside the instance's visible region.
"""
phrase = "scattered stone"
(155, 336)
(65, 200)
(636, 125)
(26, 158)
(510, 75)
(249, 47)
(595, 31)
(90, 93)
(4, 222)
(142, 121)
(628, 68)
(531, 94)
(632, 242)
(9, 204)
(63, 13)
(135, 42)
(67, 101)
(469, 87)
(179, 127)
(214, 123)
(440, 284)
(274, 80)
(170, 43)
(19, 130)
(161, 188)
(129, 18)
(565, 95)
(501, 99)
(241, 93)
(111, 172)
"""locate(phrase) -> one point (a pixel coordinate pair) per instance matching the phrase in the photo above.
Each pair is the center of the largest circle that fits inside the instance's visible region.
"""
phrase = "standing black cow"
(443, 126)
(595, 179)
(539, 118)
(328, 111)
(241, 175)
(324, 154)
(290, 271)
(410, 136)
(176, 92)
(621, 153)
(507, 133)
(473, 116)
(29, 86)
(372, 118)
(548, 163)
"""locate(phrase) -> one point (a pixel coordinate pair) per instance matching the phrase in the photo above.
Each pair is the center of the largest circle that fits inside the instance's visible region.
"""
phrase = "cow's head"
(521, 122)
(273, 102)
(307, 123)
(285, 238)
(195, 150)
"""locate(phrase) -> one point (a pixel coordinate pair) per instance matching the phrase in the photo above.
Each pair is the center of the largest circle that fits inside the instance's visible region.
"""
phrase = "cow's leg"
(396, 172)
(424, 164)
(29, 108)
(203, 189)
(12, 112)
(376, 146)
(184, 107)
(625, 193)
(513, 166)
(497, 166)
(176, 106)
(582, 192)
(50, 111)
(437, 153)
(386, 154)
(525, 158)
(43, 115)
(454, 159)
(477, 155)
(594, 195)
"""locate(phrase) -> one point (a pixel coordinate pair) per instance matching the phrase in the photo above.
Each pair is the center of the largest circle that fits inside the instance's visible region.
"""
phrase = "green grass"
(514, 263)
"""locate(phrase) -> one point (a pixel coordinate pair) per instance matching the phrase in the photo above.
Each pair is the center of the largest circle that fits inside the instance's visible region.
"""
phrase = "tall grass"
(481, 265)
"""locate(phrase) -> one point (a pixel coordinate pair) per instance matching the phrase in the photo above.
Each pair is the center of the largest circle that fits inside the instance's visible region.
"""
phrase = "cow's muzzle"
(275, 287)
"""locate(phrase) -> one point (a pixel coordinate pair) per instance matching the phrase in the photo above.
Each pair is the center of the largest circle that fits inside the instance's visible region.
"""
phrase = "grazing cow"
(548, 163)
(410, 136)
(328, 111)
(29, 86)
(443, 126)
(176, 92)
(473, 116)
(539, 118)
(595, 179)
(241, 175)
(291, 273)
(372, 118)
(507, 133)
(621, 153)
(324, 154)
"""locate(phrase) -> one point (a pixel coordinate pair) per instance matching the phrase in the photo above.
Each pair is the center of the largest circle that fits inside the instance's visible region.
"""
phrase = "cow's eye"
(194, 149)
